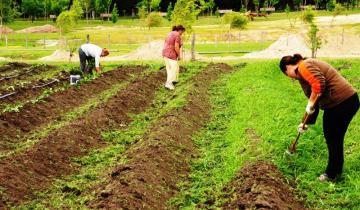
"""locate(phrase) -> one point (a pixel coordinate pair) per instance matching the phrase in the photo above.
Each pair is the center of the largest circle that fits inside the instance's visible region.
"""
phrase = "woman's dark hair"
(289, 60)
(178, 28)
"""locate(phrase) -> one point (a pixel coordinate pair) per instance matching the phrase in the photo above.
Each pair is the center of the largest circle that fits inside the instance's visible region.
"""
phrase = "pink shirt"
(169, 45)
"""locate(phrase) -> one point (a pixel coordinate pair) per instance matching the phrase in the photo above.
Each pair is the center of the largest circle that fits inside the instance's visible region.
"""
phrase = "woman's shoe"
(325, 178)
(169, 86)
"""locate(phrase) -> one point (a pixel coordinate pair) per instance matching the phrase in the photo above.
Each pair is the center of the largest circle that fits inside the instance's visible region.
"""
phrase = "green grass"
(225, 49)
(260, 97)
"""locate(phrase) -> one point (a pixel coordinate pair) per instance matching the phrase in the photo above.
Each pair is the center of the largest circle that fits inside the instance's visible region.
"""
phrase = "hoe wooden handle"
(292, 147)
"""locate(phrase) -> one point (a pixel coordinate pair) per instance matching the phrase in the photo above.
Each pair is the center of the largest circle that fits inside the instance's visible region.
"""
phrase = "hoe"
(292, 148)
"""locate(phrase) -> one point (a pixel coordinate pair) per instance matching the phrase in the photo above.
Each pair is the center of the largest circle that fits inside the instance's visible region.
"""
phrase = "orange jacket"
(321, 78)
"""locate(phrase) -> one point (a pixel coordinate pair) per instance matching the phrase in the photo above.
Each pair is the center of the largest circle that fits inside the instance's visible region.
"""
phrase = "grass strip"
(259, 97)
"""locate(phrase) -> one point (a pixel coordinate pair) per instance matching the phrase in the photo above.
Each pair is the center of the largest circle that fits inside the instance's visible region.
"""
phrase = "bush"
(238, 21)
(154, 19)
(235, 19)
(228, 17)
(308, 15)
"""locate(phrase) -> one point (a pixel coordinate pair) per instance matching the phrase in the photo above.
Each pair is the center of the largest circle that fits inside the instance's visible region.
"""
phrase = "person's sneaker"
(169, 86)
(175, 82)
(325, 178)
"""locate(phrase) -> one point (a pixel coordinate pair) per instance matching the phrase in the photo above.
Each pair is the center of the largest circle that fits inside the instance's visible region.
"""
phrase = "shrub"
(114, 14)
(154, 19)
(238, 21)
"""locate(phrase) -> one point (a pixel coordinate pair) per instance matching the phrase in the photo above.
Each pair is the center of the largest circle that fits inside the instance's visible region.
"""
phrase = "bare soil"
(24, 174)
(15, 125)
(260, 186)
(162, 159)
(39, 29)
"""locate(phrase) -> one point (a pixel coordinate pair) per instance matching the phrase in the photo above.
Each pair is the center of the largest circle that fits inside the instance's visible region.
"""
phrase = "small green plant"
(12, 108)
(292, 20)
(44, 95)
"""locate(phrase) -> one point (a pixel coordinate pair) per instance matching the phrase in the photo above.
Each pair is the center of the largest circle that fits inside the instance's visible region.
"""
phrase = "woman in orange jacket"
(337, 98)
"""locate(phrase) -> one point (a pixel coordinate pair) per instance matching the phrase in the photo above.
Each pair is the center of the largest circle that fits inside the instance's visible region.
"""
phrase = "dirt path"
(260, 186)
(161, 159)
(34, 170)
(14, 126)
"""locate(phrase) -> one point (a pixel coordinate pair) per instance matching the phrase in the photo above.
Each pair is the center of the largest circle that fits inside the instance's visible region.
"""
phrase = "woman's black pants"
(335, 124)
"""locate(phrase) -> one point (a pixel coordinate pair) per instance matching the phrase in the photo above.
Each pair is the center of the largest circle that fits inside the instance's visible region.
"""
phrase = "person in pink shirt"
(171, 54)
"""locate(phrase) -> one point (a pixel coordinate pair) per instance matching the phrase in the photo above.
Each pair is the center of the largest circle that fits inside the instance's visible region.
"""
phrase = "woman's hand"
(302, 128)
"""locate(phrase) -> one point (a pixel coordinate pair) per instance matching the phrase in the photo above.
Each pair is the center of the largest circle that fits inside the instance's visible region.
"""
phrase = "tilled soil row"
(33, 90)
(11, 66)
(260, 186)
(34, 170)
(161, 159)
(22, 72)
(14, 126)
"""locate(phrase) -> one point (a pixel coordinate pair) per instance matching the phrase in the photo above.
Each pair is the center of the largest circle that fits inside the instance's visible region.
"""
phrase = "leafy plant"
(292, 20)
(12, 108)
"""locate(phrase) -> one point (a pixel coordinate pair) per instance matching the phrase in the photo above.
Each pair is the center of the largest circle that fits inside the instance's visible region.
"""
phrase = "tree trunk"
(87, 18)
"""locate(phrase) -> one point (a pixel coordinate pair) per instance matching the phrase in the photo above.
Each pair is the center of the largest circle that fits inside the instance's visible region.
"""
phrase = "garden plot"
(14, 126)
(34, 169)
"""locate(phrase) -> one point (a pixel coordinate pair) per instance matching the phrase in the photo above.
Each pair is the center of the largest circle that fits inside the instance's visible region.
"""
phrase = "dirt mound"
(61, 55)
(333, 45)
(285, 45)
(11, 66)
(39, 29)
(162, 158)
(260, 186)
(5, 30)
(150, 51)
(35, 169)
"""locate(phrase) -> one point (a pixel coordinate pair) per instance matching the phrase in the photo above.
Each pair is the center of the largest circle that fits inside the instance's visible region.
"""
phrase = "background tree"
(114, 14)
(102, 6)
(6, 12)
(155, 5)
(47, 8)
(314, 40)
(77, 10)
(169, 11)
(86, 4)
(57, 6)
(33, 8)
(65, 21)
(185, 13)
